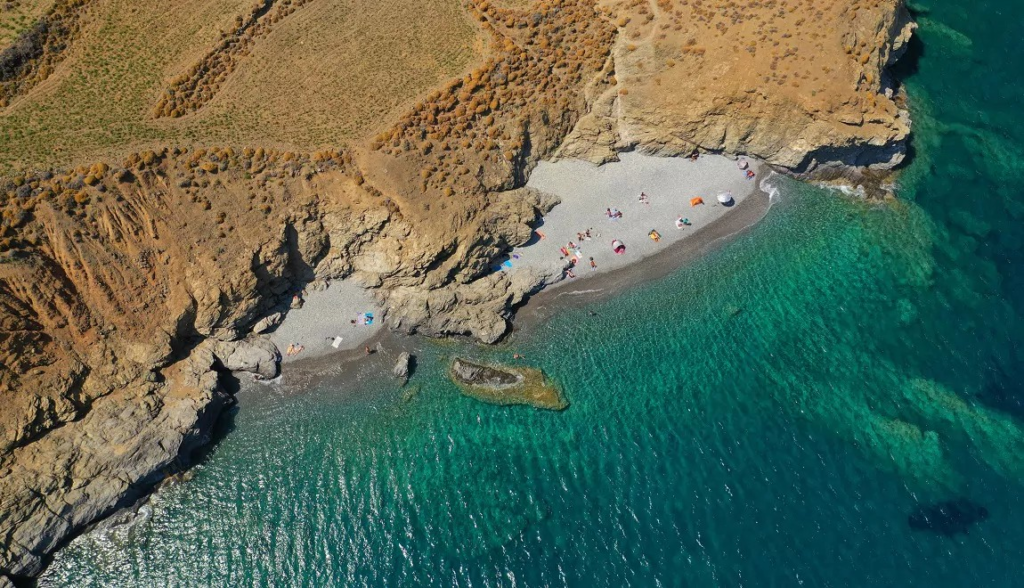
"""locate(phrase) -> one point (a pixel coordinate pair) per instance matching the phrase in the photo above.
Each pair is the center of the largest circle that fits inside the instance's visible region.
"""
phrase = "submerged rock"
(947, 518)
(505, 385)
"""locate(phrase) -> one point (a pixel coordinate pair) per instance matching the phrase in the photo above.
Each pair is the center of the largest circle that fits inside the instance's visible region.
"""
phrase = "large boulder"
(257, 355)
(401, 370)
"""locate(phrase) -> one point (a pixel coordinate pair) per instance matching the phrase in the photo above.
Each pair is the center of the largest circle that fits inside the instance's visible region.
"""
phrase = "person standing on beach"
(593, 265)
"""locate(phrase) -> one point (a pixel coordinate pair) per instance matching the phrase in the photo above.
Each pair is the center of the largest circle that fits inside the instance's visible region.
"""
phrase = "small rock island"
(505, 385)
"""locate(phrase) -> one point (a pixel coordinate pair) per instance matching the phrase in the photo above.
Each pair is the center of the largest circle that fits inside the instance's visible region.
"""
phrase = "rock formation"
(799, 85)
(401, 369)
(506, 385)
(126, 286)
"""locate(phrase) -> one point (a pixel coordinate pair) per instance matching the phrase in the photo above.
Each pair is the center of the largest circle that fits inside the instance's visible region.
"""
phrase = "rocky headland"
(128, 287)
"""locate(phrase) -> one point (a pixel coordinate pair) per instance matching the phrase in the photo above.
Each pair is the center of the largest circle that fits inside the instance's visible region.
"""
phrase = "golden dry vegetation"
(16, 16)
(480, 131)
(323, 76)
(823, 61)
(39, 49)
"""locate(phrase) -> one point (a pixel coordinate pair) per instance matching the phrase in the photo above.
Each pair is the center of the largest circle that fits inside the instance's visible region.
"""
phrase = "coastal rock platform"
(504, 385)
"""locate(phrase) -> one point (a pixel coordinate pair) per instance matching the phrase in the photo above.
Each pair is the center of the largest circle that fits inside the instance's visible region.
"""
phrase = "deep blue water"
(769, 415)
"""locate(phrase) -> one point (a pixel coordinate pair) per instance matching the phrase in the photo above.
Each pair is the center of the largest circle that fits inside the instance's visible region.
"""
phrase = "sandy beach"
(586, 192)
(327, 314)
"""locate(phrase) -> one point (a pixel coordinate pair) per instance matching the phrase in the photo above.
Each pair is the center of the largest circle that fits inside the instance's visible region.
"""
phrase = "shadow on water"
(949, 518)
(909, 64)
(1003, 393)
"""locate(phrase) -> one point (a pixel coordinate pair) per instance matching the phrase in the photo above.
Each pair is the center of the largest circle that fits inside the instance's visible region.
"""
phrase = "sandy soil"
(587, 191)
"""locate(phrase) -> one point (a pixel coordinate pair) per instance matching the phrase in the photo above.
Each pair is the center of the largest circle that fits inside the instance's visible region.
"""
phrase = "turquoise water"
(769, 415)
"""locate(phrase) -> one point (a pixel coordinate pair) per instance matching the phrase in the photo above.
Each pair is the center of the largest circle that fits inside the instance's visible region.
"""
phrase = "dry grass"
(790, 48)
(328, 74)
(19, 16)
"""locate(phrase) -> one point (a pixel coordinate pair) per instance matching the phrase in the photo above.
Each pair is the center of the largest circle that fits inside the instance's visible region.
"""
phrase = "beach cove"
(782, 410)
(586, 192)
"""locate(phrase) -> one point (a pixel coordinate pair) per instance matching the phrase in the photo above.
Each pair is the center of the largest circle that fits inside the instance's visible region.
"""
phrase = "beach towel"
(506, 265)
(364, 318)
(336, 343)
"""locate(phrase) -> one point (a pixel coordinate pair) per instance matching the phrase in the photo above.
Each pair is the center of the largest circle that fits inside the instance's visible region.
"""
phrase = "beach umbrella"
(696, 201)
(725, 198)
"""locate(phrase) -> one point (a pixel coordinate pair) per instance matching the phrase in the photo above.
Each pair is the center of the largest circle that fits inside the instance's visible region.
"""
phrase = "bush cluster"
(37, 51)
(190, 91)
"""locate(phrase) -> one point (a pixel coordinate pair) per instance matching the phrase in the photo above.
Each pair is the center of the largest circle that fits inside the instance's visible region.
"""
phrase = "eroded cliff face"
(129, 298)
(798, 84)
(123, 290)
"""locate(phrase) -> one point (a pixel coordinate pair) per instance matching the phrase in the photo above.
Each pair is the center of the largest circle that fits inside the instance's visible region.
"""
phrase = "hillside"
(170, 176)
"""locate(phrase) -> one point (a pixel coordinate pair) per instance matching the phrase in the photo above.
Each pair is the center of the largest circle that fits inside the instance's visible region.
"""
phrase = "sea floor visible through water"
(776, 412)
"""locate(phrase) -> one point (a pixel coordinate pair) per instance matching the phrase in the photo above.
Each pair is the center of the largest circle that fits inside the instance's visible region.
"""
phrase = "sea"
(834, 398)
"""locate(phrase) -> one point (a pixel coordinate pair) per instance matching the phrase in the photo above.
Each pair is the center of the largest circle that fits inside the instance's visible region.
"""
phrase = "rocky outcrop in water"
(401, 369)
(123, 290)
(506, 385)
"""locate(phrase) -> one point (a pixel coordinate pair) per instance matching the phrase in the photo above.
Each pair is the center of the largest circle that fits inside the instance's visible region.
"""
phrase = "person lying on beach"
(587, 235)
(643, 198)
(655, 235)
(569, 273)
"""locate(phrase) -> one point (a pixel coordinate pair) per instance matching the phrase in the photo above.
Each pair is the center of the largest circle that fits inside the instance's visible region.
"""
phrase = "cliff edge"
(129, 285)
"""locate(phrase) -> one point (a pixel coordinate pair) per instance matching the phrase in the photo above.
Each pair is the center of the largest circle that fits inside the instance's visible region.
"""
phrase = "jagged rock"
(257, 355)
(98, 401)
(5, 582)
(401, 369)
(268, 322)
(506, 385)
(475, 374)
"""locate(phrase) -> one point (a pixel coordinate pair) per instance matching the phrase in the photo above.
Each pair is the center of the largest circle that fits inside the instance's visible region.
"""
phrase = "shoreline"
(642, 267)
(542, 305)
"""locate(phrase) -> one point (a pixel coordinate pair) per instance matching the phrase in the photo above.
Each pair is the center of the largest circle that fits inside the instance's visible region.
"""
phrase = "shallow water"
(769, 415)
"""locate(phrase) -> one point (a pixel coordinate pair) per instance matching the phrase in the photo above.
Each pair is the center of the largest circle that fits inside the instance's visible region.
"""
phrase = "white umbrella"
(725, 198)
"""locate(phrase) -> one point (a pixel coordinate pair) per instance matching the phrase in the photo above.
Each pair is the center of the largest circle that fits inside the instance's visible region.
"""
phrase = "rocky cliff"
(128, 286)
(801, 85)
